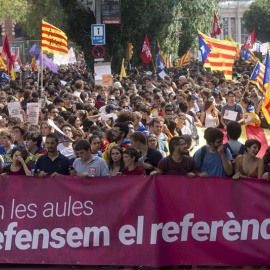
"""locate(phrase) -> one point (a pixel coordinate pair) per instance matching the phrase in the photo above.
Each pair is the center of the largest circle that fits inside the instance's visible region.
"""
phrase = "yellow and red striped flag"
(53, 39)
(34, 63)
(257, 76)
(165, 60)
(266, 89)
(221, 56)
(184, 60)
(2, 64)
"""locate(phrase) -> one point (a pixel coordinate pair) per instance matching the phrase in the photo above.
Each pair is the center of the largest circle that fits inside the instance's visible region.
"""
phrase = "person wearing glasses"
(177, 163)
(119, 134)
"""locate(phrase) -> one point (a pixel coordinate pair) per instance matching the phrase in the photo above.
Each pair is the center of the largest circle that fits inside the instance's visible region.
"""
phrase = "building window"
(244, 32)
(18, 31)
(233, 28)
(225, 27)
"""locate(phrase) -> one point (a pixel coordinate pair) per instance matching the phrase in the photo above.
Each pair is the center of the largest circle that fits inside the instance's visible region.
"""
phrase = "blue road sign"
(98, 34)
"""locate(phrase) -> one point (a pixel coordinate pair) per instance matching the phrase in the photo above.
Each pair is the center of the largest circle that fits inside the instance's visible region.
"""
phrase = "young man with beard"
(214, 159)
(53, 163)
(119, 133)
(177, 163)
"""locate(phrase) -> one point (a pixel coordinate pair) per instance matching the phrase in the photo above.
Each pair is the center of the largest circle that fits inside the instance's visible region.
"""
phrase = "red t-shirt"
(137, 171)
(19, 172)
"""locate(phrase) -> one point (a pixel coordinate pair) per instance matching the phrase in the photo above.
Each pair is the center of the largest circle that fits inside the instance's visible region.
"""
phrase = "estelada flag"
(257, 76)
(266, 87)
(216, 30)
(184, 60)
(53, 39)
(221, 55)
(146, 55)
(248, 44)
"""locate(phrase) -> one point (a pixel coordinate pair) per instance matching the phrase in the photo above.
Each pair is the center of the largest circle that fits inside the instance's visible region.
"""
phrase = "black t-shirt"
(153, 157)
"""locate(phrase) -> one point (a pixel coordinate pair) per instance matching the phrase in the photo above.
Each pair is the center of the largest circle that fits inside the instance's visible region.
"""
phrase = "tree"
(257, 16)
(15, 9)
(199, 14)
(49, 10)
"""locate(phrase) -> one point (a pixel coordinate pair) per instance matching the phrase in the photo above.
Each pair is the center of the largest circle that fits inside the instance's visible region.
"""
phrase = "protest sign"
(167, 220)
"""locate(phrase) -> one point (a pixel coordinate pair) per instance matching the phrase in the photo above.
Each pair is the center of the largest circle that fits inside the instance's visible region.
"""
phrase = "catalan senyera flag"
(53, 39)
(257, 76)
(266, 86)
(165, 60)
(184, 60)
(221, 56)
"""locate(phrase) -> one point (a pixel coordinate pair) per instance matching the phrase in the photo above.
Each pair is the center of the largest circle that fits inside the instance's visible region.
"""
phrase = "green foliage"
(257, 16)
(200, 16)
(78, 27)
(159, 19)
(15, 9)
(49, 10)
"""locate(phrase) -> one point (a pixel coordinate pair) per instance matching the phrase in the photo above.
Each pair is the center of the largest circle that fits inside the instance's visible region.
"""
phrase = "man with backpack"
(214, 159)
(177, 163)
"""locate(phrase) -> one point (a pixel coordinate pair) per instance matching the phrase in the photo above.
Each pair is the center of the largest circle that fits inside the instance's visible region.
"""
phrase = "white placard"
(33, 112)
(102, 69)
(230, 115)
(162, 74)
(15, 110)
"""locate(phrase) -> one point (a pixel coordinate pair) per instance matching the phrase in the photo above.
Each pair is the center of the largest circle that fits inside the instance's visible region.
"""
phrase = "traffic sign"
(98, 51)
(98, 34)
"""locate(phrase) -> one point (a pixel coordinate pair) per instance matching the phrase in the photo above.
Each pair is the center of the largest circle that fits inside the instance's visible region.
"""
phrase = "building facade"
(231, 13)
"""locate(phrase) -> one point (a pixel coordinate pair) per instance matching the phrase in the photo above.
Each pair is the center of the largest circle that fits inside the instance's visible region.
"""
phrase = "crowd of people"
(141, 125)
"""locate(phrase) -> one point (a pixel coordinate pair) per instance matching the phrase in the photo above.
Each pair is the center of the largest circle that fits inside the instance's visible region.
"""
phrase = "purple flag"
(49, 64)
(35, 51)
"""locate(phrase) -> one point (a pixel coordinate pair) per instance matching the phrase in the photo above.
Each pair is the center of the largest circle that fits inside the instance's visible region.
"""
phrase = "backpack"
(167, 163)
(203, 152)
(235, 155)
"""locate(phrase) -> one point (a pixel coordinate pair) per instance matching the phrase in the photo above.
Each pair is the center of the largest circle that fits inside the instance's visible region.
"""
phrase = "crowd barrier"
(166, 220)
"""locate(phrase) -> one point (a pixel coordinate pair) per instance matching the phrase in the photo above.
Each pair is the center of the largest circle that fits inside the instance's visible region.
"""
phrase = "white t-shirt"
(210, 120)
(66, 151)
(185, 130)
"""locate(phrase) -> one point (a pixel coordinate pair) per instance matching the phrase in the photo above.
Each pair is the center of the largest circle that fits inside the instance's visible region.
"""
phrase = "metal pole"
(98, 11)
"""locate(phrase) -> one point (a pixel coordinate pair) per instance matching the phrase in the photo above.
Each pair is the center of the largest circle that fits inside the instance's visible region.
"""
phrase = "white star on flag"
(203, 50)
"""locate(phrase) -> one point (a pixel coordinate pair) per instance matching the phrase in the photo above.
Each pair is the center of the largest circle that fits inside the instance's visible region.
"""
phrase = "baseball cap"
(110, 107)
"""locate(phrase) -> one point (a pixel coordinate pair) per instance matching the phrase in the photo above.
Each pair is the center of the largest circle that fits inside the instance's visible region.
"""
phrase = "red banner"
(167, 220)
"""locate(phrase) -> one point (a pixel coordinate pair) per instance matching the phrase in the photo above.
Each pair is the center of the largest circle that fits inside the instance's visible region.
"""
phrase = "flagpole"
(41, 75)
(38, 75)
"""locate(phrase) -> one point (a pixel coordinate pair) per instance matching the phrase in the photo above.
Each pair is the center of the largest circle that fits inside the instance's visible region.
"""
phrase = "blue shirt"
(212, 163)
